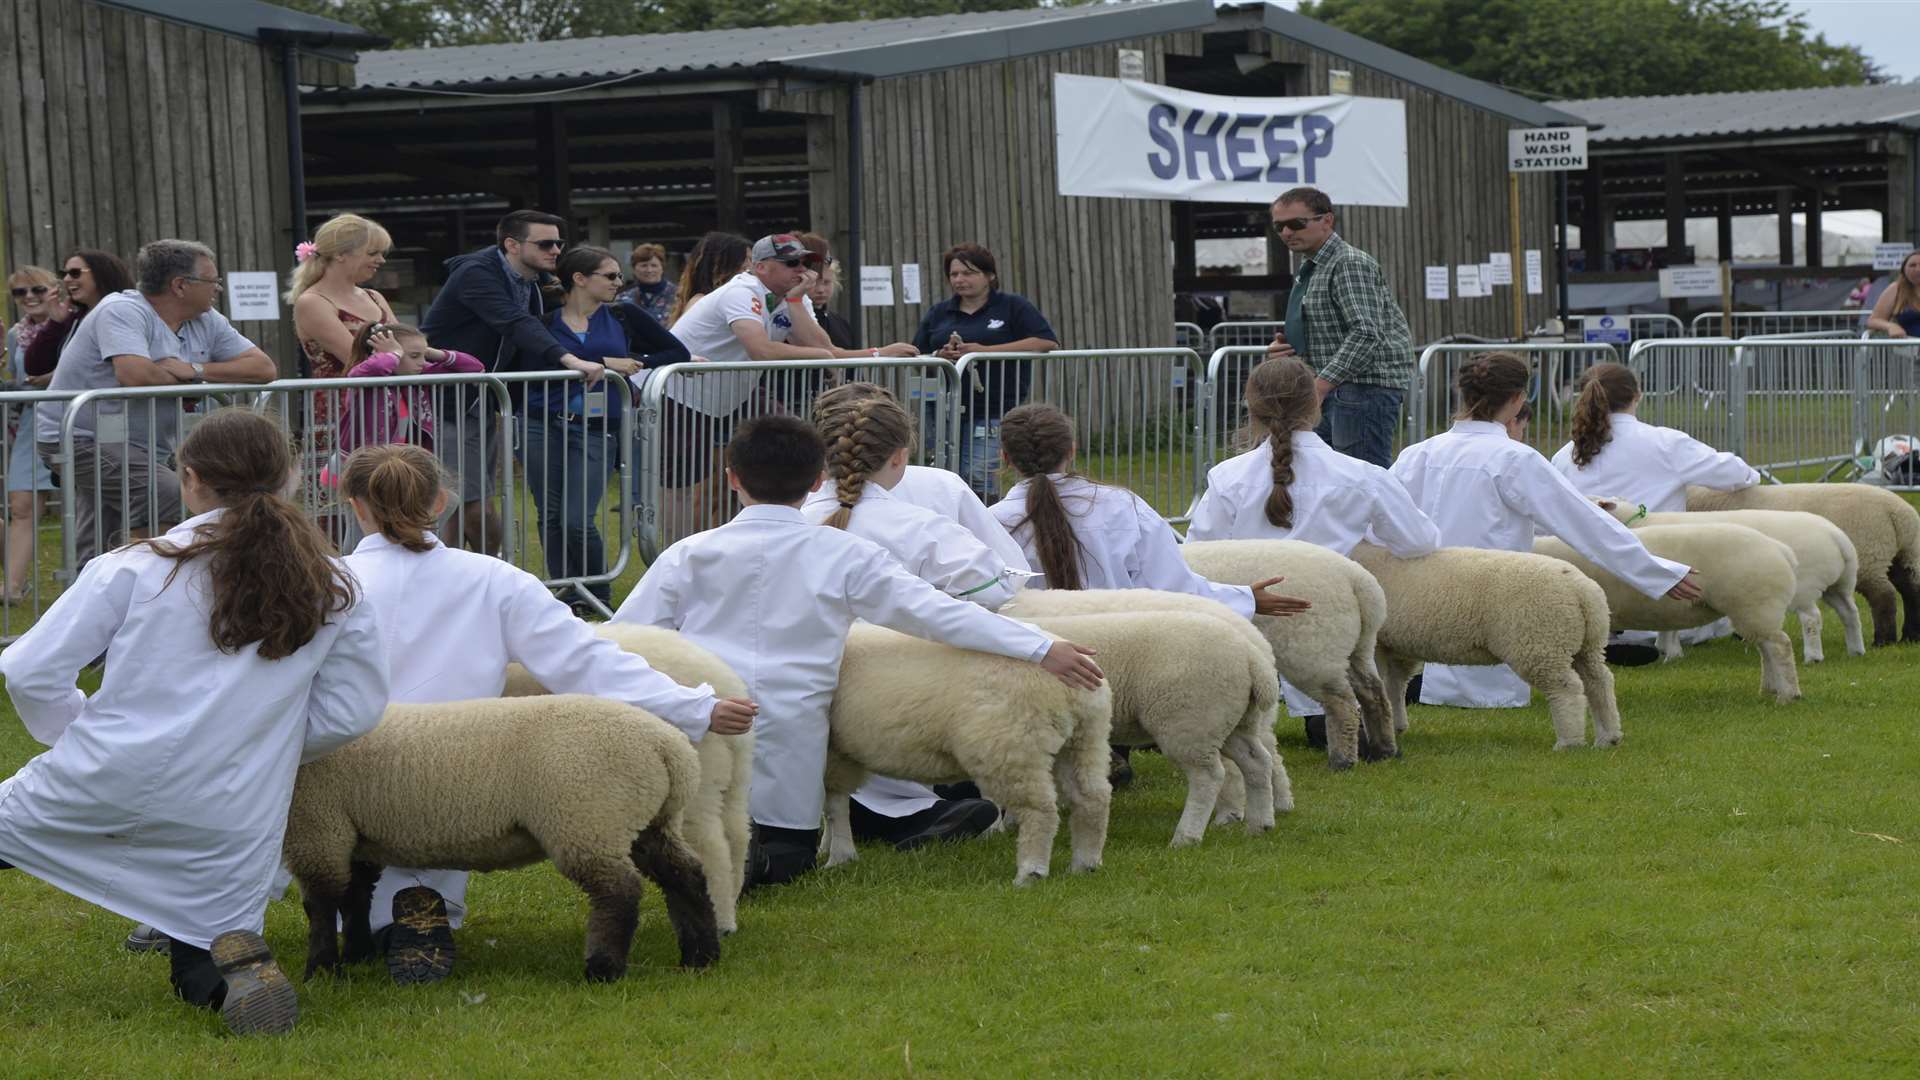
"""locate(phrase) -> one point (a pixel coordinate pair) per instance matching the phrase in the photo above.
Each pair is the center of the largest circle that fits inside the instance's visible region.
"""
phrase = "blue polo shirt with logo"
(1005, 317)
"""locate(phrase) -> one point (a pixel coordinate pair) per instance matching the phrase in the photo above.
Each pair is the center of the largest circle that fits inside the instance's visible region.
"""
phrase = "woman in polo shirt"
(979, 318)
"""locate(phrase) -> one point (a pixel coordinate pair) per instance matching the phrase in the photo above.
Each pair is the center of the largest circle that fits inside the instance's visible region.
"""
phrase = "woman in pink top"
(395, 414)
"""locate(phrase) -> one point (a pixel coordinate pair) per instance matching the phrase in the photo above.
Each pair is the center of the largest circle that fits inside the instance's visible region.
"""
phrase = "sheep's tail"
(1598, 618)
(683, 782)
(1363, 671)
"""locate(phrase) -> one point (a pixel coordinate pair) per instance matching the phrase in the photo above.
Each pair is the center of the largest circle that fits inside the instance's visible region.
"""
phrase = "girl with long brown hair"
(1613, 453)
(1485, 490)
(236, 647)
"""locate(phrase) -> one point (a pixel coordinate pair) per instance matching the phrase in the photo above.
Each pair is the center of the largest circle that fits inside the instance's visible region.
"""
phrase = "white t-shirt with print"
(706, 329)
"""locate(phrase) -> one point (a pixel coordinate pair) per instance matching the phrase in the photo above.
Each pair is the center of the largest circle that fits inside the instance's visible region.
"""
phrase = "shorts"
(26, 470)
(471, 459)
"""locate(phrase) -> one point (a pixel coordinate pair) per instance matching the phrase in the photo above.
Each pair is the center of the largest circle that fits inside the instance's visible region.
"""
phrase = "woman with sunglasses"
(88, 277)
(35, 292)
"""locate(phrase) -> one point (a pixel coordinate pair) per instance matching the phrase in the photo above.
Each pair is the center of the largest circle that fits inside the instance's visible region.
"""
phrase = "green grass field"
(1729, 893)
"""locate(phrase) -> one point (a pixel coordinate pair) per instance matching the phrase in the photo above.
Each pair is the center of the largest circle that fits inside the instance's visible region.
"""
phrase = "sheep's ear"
(1606, 504)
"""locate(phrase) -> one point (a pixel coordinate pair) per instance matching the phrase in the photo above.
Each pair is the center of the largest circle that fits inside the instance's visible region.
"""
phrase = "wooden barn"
(898, 138)
(124, 121)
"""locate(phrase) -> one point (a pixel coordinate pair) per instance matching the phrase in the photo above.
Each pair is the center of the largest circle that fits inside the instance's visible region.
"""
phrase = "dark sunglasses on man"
(546, 245)
(1296, 224)
(37, 290)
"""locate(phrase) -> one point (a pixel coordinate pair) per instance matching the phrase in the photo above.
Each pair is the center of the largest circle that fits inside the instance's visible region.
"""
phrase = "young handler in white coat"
(774, 595)
(236, 649)
(868, 440)
(1485, 490)
(451, 620)
(1293, 486)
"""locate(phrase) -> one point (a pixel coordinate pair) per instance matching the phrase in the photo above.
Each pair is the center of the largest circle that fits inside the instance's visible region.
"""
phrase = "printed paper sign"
(1437, 283)
(876, 286)
(1536, 278)
(1607, 329)
(909, 283)
(1502, 263)
(253, 295)
(1486, 279)
(1467, 280)
(1689, 281)
(1546, 149)
(1890, 256)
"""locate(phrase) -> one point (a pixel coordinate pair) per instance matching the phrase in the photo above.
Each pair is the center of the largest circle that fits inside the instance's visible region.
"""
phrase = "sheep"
(1884, 528)
(1744, 575)
(1826, 565)
(1480, 606)
(1326, 652)
(1128, 705)
(717, 823)
(1179, 684)
(594, 785)
(923, 711)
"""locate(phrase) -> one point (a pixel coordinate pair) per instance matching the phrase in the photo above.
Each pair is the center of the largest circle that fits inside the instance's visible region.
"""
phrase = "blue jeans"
(566, 462)
(1359, 419)
(978, 455)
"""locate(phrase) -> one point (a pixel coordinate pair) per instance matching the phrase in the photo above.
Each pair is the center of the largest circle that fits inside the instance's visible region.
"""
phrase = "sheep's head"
(1627, 513)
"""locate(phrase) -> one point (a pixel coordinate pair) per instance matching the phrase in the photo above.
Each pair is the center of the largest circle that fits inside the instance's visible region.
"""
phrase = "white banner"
(1136, 140)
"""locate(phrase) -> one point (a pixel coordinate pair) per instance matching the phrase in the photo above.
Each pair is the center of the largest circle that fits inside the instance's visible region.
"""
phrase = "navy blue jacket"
(478, 312)
(1004, 318)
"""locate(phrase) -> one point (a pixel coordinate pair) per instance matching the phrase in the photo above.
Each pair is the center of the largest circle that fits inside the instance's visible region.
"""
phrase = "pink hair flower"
(303, 251)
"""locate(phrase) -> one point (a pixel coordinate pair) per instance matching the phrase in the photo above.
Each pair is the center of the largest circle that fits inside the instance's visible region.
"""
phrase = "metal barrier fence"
(1751, 323)
(1645, 327)
(689, 411)
(32, 551)
(1232, 334)
(1137, 416)
(1810, 409)
(1686, 383)
(1226, 401)
(1556, 366)
(1188, 335)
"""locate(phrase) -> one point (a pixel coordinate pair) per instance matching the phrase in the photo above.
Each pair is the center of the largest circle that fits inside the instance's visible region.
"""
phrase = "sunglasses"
(546, 245)
(614, 276)
(1296, 224)
(37, 290)
(73, 272)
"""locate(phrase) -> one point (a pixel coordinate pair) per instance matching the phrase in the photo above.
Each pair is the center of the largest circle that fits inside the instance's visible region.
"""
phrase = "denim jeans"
(566, 461)
(977, 456)
(1358, 419)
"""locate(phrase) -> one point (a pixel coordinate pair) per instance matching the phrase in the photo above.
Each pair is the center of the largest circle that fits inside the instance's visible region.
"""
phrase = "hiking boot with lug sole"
(420, 944)
(260, 999)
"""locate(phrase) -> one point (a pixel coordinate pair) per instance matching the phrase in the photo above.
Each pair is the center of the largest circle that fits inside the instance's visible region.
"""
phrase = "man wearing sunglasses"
(1343, 321)
(762, 313)
(491, 307)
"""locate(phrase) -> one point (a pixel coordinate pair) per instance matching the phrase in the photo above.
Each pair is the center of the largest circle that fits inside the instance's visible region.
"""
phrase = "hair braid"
(860, 436)
(1281, 400)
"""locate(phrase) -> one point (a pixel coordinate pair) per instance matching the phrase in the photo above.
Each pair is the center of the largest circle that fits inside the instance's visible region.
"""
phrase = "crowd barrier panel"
(1686, 383)
(1225, 397)
(689, 411)
(1138, 415)
(1812, 409)
(1188, 335)
(1231, 334)
(1557, 367)
(1653, 327)
(26, 543)
(1845, 321)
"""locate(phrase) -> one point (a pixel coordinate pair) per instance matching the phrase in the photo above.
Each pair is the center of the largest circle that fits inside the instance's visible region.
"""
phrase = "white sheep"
(1539, 617)
(1188, 684)
(717, 823)
(922, 711)
(1744, 576)
(1825, 564)
(1262, 694)
(1884, 528)
(594, 785)
(1327, 652)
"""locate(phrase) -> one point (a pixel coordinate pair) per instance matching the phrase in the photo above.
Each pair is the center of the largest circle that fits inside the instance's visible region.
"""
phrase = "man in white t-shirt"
(761, 314)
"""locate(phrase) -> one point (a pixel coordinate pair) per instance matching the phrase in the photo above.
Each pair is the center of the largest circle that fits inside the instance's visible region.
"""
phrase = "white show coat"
(948, 495)
(1487, 491)
(1646, 463)
(773, 595)
(452, 620)
(164, 797)
(1123, 542)
(1338, 501)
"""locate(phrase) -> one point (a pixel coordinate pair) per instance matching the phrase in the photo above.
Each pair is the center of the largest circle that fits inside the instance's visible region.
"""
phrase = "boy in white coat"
(774, 595)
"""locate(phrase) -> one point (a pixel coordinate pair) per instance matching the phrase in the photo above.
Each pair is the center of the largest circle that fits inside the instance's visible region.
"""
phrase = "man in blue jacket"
(491, 307)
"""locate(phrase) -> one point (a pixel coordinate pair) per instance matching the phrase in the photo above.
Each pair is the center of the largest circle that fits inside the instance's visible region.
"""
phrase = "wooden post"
(1726, 295)
(1676, 223)
(555, 179)
(1783, 209)
(1516, 277)
(729, 213)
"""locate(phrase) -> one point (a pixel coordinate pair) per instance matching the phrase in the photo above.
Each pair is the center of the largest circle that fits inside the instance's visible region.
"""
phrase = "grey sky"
(1886, 30)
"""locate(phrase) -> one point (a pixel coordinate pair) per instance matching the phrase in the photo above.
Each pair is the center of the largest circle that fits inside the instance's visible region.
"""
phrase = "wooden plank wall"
(117, 129)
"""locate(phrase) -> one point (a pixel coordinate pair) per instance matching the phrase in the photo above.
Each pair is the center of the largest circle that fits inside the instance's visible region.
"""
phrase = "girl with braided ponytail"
(1487, 491)
(1612, 453)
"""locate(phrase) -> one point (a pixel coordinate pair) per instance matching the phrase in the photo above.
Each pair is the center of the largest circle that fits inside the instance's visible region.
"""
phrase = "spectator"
(37, 291)
(717, 258)
(163, 332)
(328, 296)
(1344, 323)
(491, 308)
(839, 330)
(88, 277)
(761, 313)
(979, 318)
(568, 443)
(1897, 312)
(651, 291)
(389, 414)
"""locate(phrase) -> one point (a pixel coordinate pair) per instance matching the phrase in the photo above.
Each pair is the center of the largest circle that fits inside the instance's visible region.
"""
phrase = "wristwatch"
(199, 370)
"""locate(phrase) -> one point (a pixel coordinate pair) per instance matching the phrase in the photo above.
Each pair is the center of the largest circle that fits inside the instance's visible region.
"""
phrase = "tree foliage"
(1567, 49)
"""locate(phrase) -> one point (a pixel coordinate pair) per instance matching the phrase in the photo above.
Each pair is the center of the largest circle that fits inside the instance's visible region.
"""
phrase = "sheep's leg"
(1205, 775)
(1840, 599)
(1566, 700)
(1032, 802)
(1343, 723)
(1258, 767)
(1081, 770)
(1376, 716)
(1810, 647)
(322, 895)
(1777, 673)
(1282, 784)
(613, 887)
(1668, 642)
(357, 911)
(843, 778)
(1596, 679)
(1884, 603)
(707, 837)
(1907, 584)
(1232, 803)
(1395, 674)
(673, 866)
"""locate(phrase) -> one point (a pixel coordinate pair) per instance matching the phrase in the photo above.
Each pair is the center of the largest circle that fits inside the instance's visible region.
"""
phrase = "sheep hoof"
(1607, 741)
(1339, 764)
(1078, 867)
(1180, 840)
(603, 967)
(1226, 817)
(1581, 745)
(843, 858)
(1027, 877)
(329, 968)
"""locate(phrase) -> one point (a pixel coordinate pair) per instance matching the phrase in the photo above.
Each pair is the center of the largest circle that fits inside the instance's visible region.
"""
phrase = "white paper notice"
(1502, 263)
(1467, 280)
(876, 286)
(1437, 283)
(1486, 279)
(253, 294)
(909, 283)
(1536, 279)
(1689, 281)
(1890, 256)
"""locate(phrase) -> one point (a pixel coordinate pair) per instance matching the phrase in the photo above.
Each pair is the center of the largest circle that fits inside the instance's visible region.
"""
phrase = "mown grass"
(1729, 893)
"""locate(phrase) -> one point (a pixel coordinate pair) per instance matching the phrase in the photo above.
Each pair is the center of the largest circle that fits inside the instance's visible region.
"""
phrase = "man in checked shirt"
(1345, 324)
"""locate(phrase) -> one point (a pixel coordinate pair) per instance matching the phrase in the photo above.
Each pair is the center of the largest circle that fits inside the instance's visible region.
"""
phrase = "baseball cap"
(783, 246)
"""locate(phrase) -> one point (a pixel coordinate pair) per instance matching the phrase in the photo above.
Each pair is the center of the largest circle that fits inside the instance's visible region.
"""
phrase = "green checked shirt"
(1355, 331)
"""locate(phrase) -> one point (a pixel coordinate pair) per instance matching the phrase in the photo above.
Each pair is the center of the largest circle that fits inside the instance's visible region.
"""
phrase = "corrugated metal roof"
(877, 48)
(245, 18)
(1758, 112)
